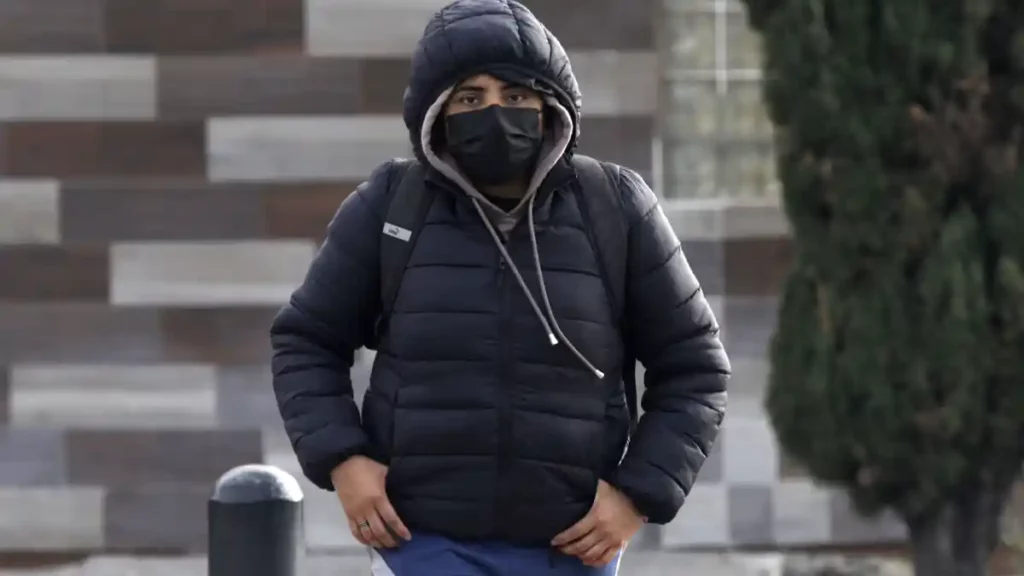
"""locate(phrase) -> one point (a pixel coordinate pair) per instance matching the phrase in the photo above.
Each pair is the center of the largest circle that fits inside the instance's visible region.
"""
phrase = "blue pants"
(430, 555)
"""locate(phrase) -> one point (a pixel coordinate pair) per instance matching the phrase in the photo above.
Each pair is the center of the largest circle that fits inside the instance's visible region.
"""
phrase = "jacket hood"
(469, 37)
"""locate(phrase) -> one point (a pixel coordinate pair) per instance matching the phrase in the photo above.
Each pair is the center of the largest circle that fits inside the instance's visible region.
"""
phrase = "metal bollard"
(255, 523)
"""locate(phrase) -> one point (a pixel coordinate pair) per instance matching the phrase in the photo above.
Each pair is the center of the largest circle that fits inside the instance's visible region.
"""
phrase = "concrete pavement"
(637, 563)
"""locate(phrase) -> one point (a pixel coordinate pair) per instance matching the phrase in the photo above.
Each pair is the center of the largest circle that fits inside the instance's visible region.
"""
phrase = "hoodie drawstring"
(551, 327)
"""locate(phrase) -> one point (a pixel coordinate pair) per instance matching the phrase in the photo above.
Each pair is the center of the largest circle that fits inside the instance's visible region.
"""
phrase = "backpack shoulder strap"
(409, 203)
(600, 199)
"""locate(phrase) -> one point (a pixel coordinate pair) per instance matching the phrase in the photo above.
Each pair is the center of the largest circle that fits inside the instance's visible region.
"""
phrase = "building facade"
(167, 169)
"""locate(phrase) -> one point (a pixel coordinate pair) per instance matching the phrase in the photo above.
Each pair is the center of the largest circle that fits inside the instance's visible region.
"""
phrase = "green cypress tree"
(898, 361)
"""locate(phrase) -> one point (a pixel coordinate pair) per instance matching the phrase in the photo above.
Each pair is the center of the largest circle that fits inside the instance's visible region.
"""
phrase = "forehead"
(485, 82)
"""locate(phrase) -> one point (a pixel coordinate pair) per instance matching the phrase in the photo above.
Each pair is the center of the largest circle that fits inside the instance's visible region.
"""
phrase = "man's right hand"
(359, 483)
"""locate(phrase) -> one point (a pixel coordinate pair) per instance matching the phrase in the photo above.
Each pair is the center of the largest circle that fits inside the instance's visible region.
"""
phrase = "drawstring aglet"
(599, 374)
(552, 339)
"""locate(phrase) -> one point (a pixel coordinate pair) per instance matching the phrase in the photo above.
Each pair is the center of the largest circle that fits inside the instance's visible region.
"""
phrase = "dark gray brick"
(51, 26)
(166, 518)
(32, 457)
(5, 394)
(136, 457)
(93, 333)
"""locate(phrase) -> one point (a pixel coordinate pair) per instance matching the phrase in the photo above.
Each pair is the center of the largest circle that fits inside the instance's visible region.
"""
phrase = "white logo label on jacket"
(397, 232)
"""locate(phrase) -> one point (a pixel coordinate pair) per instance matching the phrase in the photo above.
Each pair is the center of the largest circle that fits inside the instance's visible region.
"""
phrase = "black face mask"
(495, 145)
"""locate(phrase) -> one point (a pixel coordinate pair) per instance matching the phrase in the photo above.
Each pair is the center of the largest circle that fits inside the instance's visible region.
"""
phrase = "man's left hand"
(604, 531)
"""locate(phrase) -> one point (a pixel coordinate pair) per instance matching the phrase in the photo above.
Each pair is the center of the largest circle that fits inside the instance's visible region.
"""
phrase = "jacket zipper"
(505, 406)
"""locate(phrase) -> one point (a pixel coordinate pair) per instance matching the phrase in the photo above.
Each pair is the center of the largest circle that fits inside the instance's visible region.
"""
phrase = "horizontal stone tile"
(750, 455)
(54, 333)
(5, 384)
(706, 261)
(344, 27)
(221, 273)
(711, 472)
(749, 325)
(757, 267)
(245, 397)
(157, 517)
(725, 218)
(755, 219)
(29, 211)
(277, 451)
(626, 140)
(747, 386)
(71, 273)
(382, 82)
(97, 149)
(703, 520)
(51, 26)
(717, 304)
(849, 527)
(324, 520)
(304, 211)
(113, 396)
(4, 145)
(693, 220)
(751, 515)
(123, 565)
(109, 210)
(296, 148)
(218, 335)
(600, 24)
(32, 457)
(104, 211)
(801, 513)
(211, 26)
(203, 86)
(44, 519)
(353, 27)
(617, 83)
(130, 458)
(74, 87)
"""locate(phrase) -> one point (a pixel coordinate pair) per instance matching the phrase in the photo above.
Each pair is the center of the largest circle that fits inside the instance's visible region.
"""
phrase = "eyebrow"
(476, 89)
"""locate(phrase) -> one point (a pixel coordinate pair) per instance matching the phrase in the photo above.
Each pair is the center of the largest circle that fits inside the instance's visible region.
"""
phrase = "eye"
(468, 99)
(516, 98)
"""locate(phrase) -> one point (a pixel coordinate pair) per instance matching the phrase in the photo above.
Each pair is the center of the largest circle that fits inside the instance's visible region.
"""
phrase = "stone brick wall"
(167, 168)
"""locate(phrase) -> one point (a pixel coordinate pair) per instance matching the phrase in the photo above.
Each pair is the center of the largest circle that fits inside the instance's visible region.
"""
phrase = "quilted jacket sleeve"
(675, 336)
(315, 336)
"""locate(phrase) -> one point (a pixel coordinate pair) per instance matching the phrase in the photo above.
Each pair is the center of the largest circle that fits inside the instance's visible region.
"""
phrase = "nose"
(492, 98)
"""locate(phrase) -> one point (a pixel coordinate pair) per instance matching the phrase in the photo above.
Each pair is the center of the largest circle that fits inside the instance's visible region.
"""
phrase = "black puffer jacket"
(489, 430)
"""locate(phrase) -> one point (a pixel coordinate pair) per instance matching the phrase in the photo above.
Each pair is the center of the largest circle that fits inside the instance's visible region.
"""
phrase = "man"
(491, 438)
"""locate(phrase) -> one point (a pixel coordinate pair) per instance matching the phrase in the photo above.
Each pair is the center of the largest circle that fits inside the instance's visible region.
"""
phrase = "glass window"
(691, 40)
(716, 137)
(689, 169)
